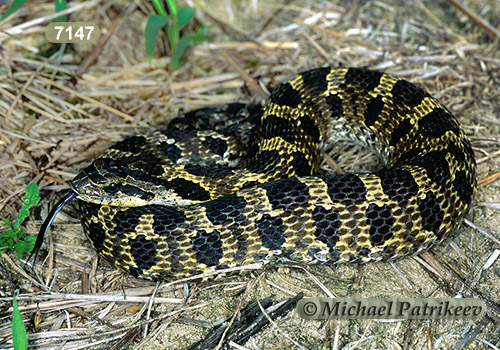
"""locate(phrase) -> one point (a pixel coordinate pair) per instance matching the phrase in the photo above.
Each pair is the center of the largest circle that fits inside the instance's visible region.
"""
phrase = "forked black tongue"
(45, 226)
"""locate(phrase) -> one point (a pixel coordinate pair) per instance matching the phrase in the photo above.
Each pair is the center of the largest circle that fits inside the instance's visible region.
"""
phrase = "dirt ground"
(61, 105)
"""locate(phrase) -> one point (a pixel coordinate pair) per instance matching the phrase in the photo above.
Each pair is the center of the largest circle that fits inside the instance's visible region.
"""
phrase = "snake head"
(100, 183)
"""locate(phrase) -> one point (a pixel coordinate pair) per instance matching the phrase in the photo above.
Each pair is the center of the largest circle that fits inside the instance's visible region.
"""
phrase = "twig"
(487, 234)
(88, 99)
(131, 334)
(89, 297)
(318, 47)
(473, 333)
(98, 48)
(88, 316)
(287, 45)
(21, 272)
(454, 283)
(249, 80)
(284, 307)
(150, 306)
(488, 179)
(475, 17)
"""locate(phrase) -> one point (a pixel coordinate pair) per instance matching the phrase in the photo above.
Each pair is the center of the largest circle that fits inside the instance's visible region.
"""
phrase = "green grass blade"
(30, 199)
(16, 5)
(153, 26)
(159, 8)
(60, 6)
(184, 16)
(19, 336)
(172, 5)
(172, 32)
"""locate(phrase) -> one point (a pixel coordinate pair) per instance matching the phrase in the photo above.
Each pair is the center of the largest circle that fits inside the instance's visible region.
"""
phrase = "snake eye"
(112, 187)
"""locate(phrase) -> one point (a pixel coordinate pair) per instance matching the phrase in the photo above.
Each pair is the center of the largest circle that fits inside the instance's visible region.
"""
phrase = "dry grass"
(53, 122)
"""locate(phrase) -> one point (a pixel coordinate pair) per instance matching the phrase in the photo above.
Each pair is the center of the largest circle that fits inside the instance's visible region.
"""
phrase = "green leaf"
(60, 6)
(153, 26)
(22, 247)
(6, 240)
(184, 16)
(172, 32)
(30, 239)
(16, 5)
(185, 43)
(30, 199)
(11, 234)
(178, 55)
(201, 36)
(19, 336)
(8, 223)
(6, 243)
(14, 238)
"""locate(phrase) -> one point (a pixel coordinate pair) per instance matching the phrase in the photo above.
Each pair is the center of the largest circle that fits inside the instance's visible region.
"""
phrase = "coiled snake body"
(175, 203)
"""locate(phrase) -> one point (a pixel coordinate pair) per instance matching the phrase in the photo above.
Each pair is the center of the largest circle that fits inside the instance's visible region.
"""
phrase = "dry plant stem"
(409, 334)
(317, 281)
(473, 333)
(83, 314)
(221, 272)
(21, 272)
(150, 306)
(31, 106)
(131, 333)
(318, 47)
(359, 275)
(151, 336)
(267, 45)
(454, 283)
(32, 91)
(89, 99)
(65, 298)
(50, 258)
(84, 278)
(271, 321)
(475, 17)
(280, 286)
(494, 205)
(487, 234)
(489, 179)
(250, 286)
(251, 82)
(99, 47)
(20, 93)
(490, 156)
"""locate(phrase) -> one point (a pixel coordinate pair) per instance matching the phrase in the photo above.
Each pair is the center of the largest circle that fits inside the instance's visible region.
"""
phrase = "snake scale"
(176, 203)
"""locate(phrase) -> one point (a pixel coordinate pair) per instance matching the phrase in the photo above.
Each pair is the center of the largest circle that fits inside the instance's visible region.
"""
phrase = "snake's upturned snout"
(80, 182)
